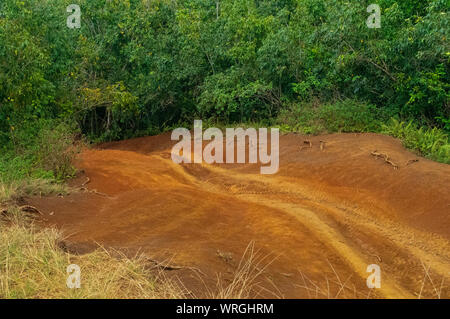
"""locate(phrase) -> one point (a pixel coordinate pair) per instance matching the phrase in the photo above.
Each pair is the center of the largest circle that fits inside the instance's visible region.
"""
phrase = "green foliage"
(39, 150)
(445, 123)
(138, 66)
(242, 60)
(430, 142)
(345, 116)
(110, 112)
(350, 116)
(222, 98)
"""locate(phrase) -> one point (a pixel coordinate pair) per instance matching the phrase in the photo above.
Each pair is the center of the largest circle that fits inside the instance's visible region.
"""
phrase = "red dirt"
(327, 214)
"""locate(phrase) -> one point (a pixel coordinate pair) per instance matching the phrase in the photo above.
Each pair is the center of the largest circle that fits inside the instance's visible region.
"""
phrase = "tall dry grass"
(32, 265)
(12, 192)
(248, 280)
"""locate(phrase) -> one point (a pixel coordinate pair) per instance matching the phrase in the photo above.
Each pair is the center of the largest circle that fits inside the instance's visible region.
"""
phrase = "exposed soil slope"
(323, 218)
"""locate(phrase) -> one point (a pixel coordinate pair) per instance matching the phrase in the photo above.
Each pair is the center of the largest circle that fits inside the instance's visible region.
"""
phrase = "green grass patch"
(432, 143)
(37, 160)
(343, 116)
(354, 116)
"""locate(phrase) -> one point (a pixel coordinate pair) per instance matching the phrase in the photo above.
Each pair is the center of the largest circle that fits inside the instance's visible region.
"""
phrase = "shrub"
(343, 116)
(40, 149)
(429, 142)
(350, 116)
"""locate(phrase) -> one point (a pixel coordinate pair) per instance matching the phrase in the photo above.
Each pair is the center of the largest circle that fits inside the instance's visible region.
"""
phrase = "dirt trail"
(322, 219)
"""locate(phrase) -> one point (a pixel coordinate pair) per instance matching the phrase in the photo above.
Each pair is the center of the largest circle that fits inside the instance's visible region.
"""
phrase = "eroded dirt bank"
(322, 219)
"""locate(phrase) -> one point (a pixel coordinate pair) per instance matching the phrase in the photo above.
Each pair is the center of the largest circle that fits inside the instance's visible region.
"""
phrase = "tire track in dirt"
(272, 185)
(328, 213)
(324, 232)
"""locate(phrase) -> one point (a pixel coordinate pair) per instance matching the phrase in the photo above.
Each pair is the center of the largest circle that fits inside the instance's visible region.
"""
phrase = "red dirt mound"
(332, 209)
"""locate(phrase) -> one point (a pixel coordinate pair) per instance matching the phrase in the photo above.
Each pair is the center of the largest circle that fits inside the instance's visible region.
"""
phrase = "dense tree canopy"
(136, 66)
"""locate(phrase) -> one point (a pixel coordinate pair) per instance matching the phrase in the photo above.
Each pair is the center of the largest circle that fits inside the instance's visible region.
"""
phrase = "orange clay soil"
(320, 221)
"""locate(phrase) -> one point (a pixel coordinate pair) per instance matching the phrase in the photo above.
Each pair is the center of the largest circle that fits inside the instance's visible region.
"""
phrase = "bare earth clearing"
(320, 221)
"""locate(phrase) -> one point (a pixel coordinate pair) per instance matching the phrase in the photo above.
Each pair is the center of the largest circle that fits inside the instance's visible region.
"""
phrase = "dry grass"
(14, 191)
(335, 287)
(436, 286)
(432, 287)
(248, 280)
(32, 265)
